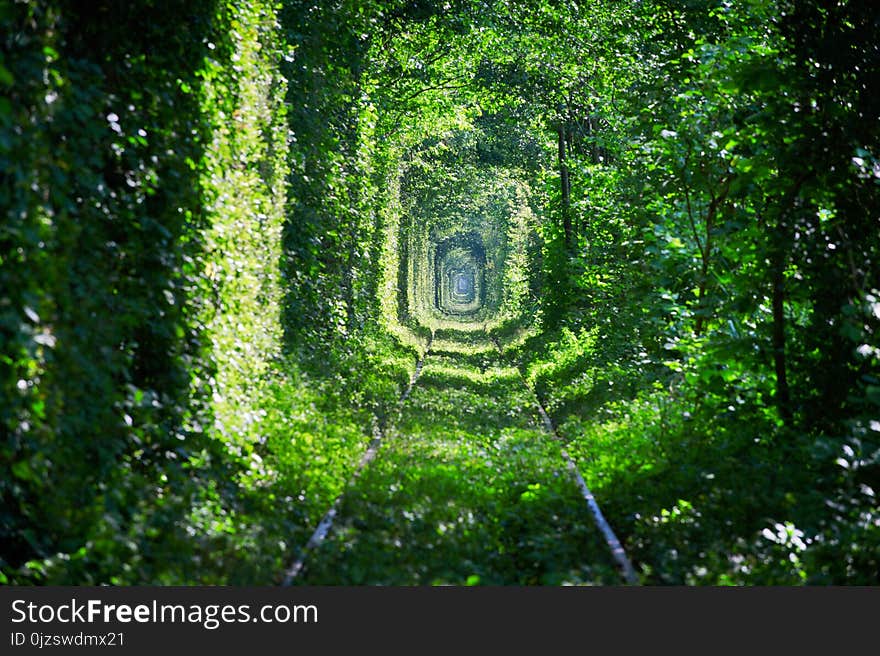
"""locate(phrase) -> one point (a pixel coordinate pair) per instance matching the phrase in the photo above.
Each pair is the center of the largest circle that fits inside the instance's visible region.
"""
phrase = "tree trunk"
(702, 302)
(783, 397)
(715, 205)
(565, 185)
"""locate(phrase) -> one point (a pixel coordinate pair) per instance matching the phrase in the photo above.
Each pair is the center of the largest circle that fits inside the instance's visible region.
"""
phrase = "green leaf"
(22, 470)
(6, 77)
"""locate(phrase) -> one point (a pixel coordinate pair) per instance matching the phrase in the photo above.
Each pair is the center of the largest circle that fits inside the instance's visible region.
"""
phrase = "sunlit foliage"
(232, 228)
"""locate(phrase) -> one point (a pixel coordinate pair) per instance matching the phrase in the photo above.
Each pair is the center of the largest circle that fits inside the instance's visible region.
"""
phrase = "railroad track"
(326, 523)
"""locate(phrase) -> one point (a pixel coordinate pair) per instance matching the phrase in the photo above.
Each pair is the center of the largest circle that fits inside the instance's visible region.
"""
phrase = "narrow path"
(468, 488)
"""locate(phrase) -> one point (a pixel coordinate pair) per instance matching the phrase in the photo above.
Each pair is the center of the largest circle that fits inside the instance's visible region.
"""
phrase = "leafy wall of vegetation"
(146, 185)
(102, 239)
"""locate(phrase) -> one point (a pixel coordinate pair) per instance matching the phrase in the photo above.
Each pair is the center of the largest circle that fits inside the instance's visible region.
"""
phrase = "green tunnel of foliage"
(481, 226)
(231, 228)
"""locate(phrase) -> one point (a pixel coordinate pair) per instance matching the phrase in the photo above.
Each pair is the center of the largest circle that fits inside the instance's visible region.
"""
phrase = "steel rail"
(614, 545)
(326, 523)
(617, 550)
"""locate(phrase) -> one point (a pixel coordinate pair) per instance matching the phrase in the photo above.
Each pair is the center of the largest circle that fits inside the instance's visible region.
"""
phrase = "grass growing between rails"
(467, 489)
